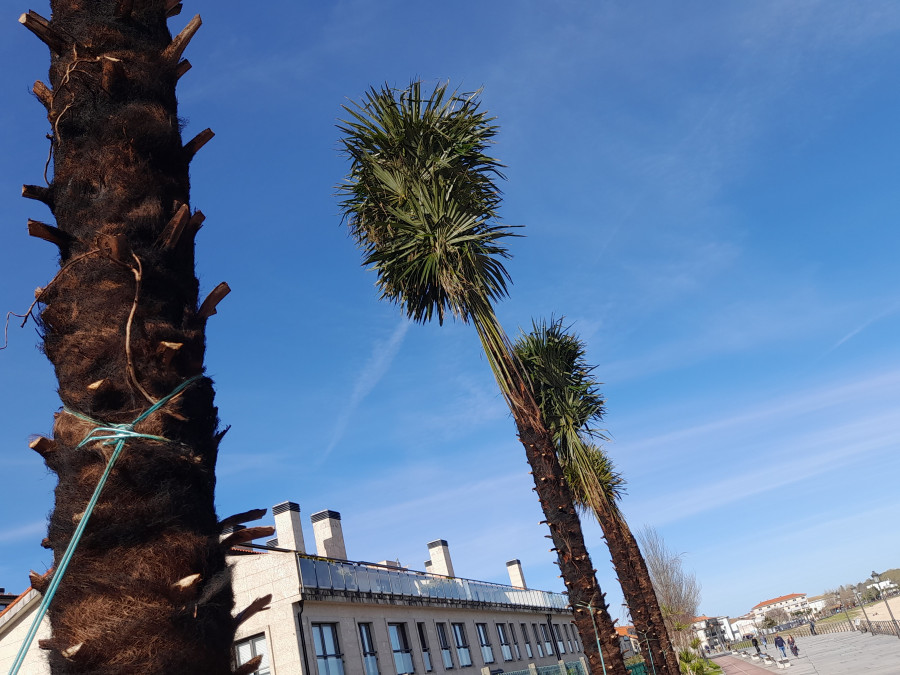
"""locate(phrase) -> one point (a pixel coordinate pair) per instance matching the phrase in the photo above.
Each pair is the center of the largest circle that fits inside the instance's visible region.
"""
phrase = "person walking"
(795, 650)
(779, 642)
(755, 643)
(812, 627)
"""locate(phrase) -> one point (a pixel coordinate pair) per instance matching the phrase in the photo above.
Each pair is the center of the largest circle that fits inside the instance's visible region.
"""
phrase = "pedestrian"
(779, 642)
(795, 650)
(765, 642)
(755, 643)
(812, 627)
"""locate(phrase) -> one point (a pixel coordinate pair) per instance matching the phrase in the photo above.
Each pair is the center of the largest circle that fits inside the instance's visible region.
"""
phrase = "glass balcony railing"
(363, 578)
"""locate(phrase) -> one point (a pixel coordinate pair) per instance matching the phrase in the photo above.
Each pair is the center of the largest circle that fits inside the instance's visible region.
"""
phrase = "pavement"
(834, 654)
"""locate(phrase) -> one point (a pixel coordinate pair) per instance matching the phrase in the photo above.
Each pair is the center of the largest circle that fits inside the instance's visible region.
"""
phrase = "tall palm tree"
(571, 405)
(147, 589)
(421, 202)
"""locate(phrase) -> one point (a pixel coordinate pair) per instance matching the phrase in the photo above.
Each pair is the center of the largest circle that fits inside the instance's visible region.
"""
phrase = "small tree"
(677, 590)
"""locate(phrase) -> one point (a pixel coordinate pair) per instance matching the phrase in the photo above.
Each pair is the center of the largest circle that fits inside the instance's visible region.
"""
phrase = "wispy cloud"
(383, 353)
(811, 455)
(859, 329)
(883, 387)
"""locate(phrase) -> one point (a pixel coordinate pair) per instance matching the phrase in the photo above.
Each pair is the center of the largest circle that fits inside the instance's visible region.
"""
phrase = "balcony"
(324, 575)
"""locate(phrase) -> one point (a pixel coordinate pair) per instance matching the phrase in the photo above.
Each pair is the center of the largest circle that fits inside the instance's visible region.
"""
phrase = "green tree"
(147, 589)
(421, 202)
(571, 405)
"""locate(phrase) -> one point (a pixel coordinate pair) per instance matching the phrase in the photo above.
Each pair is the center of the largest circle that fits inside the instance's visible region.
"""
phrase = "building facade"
(331, 616)
(794, 602)
(713, 632)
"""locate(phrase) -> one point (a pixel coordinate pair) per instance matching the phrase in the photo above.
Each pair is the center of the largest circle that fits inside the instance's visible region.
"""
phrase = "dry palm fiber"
(122, 328)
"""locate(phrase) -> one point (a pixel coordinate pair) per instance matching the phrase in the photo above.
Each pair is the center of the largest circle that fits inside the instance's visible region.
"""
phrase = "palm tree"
(147, 588)
(570, 403)
(421, 201)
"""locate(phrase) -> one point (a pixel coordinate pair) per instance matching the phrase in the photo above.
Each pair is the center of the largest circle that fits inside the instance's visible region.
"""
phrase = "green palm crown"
(421, 201)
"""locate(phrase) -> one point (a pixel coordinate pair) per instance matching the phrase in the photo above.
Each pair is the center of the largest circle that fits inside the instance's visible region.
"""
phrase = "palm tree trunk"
(122, 329)
(588, 601)
(637, 589)
(574, 562)
(657, 631)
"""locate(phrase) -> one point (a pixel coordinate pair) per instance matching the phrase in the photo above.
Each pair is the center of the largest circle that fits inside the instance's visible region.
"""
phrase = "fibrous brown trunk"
(657, 630)
(575, 565)
(637, 589)
(122, 329)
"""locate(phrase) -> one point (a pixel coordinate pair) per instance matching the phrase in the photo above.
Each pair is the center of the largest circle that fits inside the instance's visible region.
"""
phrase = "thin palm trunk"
(588, 601)
(122, 329)
(657, 631)
(637, 590)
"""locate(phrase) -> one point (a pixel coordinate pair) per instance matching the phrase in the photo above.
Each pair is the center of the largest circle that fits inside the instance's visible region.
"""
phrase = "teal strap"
(112, 434)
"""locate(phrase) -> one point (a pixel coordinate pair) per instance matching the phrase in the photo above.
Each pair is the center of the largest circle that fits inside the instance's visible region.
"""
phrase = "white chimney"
(516, 578)
(428, 566)
(288, 530)
(439, 551)
(329, 535)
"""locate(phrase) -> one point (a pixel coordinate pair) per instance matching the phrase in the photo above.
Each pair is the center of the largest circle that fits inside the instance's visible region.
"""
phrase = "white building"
(711, 631)
(332, 616)
(743, 626)
(794, 602)
(817, 603)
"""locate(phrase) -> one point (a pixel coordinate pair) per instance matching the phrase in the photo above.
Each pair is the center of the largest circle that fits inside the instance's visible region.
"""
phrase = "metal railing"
(363, 578)
(879, 627)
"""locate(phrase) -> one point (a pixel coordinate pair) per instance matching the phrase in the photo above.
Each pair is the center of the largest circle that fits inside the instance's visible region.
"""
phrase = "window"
(560, 649)
(487, 652)
(400, 646)
(504, 642)
(537, 640)
(527, 642)
(370, 656)
(444, 645)
(548, 644)
(568, 636)
(244, 650)
(462, 645)
(423, 643)
(575, 638)
(512, 632)
(328, 651)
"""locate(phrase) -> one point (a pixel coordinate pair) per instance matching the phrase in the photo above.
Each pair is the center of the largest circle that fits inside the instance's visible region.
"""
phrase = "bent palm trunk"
(657, 631)
(122, 329)
(575, 564)
(638, 592)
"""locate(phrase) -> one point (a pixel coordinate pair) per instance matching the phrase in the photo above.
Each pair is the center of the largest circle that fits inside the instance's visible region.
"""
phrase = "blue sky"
(709, 194)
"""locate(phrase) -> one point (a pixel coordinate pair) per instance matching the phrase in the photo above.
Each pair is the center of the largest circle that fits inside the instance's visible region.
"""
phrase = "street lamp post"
(590, 608)
(877, 578)
(863, 607)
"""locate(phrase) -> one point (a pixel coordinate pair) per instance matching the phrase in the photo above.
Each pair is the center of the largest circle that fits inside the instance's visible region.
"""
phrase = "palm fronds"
(571, 405)
(421, 200)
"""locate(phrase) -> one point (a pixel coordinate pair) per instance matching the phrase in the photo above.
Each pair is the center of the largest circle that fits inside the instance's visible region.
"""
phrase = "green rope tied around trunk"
(111, 434)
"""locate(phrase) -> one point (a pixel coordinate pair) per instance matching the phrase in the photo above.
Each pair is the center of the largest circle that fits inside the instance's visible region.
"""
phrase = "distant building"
(711, 631)
(628, 641)
(794, 602)
(332, 616)
(887, 586)
(6, 599)
(743, 626)
(817, 603)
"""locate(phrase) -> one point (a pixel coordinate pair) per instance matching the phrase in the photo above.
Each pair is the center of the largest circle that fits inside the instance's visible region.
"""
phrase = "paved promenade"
(835, 654)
